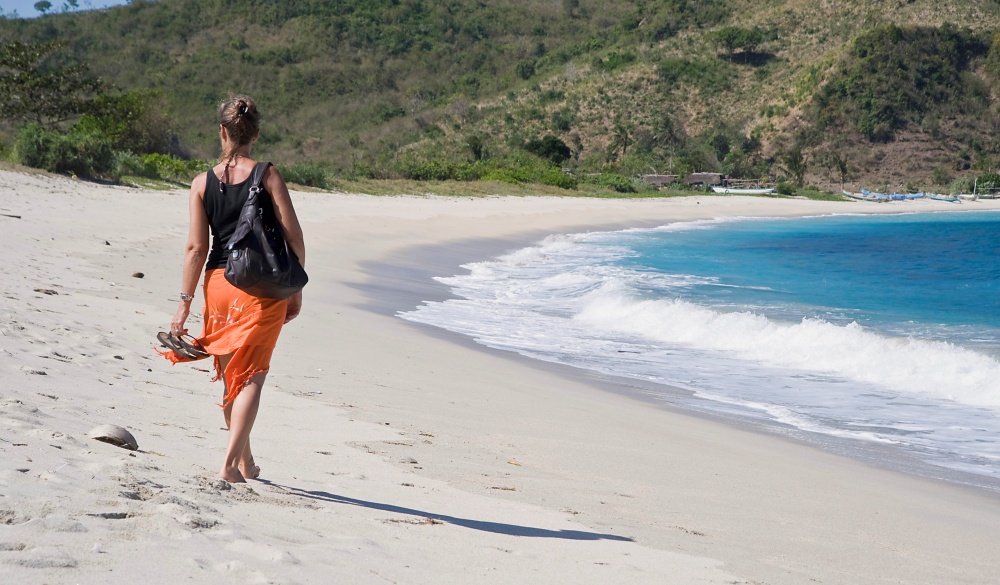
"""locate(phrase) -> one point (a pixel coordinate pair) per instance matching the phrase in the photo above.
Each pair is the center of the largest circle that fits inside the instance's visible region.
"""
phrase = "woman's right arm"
(195, 253)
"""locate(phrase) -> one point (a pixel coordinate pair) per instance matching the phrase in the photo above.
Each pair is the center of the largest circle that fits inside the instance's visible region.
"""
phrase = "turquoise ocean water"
(877, 336)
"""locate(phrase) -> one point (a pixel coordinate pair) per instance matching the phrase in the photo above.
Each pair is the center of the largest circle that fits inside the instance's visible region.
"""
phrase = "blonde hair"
(239, 116)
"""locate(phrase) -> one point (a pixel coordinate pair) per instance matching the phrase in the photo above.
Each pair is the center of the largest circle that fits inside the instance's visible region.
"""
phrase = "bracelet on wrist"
(186, 297)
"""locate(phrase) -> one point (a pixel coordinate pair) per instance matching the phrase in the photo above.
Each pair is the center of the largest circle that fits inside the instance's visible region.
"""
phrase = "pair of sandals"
(183, 345)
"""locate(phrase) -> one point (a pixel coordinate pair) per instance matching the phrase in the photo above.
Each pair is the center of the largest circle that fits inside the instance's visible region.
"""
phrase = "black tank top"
(223, 203)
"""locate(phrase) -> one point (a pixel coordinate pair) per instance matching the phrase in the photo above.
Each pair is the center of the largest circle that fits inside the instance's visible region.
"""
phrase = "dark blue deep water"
(927, 268)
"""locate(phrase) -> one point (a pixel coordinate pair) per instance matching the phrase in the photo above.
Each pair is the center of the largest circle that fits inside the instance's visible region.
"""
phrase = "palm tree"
(620, 139)
(795, 164)
(841, 166)
(669, 134)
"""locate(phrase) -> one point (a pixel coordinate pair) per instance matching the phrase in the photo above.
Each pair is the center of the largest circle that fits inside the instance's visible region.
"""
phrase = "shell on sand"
(115, 435)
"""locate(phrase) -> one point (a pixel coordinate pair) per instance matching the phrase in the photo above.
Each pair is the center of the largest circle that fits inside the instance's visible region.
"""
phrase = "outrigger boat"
(948, 198)
(866, 195)
(875, 196)
(862, 197)
(742, 191)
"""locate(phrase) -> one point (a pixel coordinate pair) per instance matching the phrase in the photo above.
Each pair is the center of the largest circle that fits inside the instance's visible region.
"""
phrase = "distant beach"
(397, 452)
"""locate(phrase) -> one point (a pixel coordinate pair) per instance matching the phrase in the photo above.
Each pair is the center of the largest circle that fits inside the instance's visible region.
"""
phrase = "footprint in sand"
(43, 557)
(251, 549)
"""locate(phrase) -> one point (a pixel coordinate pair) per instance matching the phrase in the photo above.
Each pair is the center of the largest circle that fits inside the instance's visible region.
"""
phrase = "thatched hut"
(659, 181)
(703, 179)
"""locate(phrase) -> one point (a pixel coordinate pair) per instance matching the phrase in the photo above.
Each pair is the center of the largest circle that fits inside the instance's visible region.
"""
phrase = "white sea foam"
(571, 300)
(906, 365)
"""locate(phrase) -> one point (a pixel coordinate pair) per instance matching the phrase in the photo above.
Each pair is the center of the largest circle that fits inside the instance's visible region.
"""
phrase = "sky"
(26, 8)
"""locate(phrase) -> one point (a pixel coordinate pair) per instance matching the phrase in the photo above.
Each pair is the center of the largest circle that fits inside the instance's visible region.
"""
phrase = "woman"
(240, 330)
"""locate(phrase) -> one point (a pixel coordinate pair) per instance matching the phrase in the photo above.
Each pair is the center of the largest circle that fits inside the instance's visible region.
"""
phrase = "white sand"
(392, 453)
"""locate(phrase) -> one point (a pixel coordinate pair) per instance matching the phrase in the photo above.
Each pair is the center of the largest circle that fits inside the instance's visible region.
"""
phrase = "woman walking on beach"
(240, 330)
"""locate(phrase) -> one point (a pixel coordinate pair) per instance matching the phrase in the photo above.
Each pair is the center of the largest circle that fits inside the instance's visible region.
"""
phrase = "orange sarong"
(240, 324)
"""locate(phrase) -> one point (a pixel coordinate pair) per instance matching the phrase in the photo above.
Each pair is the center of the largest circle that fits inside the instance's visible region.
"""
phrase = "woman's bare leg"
(244, 412)
(245, 464)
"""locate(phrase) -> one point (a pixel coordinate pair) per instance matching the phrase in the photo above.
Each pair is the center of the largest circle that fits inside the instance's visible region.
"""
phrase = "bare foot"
(249, 469)
(232, 475)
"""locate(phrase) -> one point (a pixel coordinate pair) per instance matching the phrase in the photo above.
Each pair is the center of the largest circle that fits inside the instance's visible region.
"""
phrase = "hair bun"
(241, 119)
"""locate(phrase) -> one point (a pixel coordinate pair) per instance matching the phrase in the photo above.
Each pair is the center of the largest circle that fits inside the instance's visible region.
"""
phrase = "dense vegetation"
(917, 83)
(894, 77)
(498, 90)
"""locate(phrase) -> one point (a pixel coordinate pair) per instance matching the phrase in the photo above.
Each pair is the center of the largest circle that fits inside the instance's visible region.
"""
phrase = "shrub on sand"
(310, 174)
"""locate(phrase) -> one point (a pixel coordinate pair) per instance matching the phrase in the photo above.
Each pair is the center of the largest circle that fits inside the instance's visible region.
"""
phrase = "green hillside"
(875, 92)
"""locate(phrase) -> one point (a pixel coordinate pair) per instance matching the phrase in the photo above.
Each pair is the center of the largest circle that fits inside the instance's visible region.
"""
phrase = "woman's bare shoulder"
(272, 171)
(272, 177)
(199, 182)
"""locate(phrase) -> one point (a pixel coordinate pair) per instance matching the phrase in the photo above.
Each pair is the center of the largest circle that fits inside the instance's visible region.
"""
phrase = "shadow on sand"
(495, 527)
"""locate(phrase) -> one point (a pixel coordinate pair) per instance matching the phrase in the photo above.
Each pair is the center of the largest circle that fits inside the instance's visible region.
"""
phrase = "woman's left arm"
(285, 212)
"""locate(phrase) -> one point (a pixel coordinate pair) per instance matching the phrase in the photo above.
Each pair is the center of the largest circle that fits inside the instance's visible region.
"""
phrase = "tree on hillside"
(133, 121)
(839, 164)
(745, 40)
(32, 93)
(744, 159)
(476, 146)
(525, 69)
(549, 147)
(43, 6)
